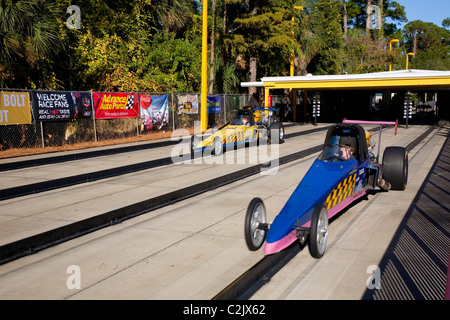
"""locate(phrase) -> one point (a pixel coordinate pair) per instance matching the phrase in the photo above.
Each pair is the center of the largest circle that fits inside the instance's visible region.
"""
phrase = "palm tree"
(226, 79)
(308, 37)
(28, 33)
(172, 15)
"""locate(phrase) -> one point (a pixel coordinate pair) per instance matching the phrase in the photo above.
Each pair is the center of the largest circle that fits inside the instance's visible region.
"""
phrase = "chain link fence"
(41, 134)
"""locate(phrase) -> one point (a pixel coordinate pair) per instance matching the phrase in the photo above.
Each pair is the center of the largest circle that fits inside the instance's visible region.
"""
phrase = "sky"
(434, 11)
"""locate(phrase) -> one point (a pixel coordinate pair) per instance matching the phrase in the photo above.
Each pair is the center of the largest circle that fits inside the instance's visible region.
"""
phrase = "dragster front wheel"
(195, 140)
(318, 235)
(255, 219)
(218, 146)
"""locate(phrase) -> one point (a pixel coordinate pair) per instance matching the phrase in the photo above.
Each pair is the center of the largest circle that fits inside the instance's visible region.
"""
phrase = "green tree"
(308, 36)
(321, 38)
(29, 39)
(153, 45)
(429, 43)
(175, 62)
(259, 34)
(226, 78)
(367, 50)
(364, 55)
(171, 15)
(113, 49)
(391, 13)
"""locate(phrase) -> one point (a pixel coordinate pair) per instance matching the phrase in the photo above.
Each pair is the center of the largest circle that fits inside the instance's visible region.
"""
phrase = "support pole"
(266, 100)
(293, 93)
(203, 115)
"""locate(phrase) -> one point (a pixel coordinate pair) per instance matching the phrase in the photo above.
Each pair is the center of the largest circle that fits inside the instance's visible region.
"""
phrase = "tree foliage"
(154, 45)
(430, 45)
(29, 39)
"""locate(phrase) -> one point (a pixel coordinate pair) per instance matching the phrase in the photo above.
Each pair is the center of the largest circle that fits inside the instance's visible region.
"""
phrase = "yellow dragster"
(249, 125)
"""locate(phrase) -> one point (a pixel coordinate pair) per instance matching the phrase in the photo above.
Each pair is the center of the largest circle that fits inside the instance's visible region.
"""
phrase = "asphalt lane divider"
(37, 187)
(105, 151)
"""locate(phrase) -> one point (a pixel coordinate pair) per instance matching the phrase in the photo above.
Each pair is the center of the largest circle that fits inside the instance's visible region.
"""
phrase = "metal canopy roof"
(406, 79)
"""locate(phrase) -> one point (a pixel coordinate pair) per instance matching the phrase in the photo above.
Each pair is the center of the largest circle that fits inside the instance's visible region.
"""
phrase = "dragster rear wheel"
(318, 235)
(255, 218)
(276, 133)
(395, 167)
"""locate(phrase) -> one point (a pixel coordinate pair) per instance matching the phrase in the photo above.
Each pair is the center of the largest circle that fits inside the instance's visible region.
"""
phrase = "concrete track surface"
(194, 248)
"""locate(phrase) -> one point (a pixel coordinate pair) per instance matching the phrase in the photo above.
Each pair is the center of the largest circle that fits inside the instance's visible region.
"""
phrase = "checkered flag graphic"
(130, 102)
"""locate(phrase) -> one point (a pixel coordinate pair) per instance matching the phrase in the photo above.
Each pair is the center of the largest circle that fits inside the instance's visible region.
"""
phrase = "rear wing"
(381, 123)
(392, 123)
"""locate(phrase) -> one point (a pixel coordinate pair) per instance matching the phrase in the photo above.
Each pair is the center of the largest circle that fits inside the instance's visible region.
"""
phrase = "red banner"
(115, 105)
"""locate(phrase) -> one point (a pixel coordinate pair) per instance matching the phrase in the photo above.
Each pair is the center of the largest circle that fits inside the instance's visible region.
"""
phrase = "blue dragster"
(345, 171)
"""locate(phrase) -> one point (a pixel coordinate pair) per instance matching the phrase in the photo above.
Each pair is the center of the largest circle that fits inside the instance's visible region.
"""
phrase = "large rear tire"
(254, 218)
(318, 235)
(395, 167)
(276, 132)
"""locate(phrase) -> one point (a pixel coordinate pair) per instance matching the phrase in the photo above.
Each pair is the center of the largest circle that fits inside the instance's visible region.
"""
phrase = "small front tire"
(318, 235)
(218, 146)
(195, 140)
(254, 219)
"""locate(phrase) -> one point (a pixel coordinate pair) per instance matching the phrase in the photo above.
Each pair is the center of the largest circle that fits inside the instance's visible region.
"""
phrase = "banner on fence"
(61, 105)
(115, 105)
(154, 111)
(187, 103)
(15, 108)
(213, 103)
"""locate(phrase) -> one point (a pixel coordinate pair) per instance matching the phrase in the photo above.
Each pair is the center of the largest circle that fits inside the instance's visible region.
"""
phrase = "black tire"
(395, 167)
(255, 216)
(318, 235)
(218, 146)
(276, 132)
(263, 137)
(194, 141)
(253, 139)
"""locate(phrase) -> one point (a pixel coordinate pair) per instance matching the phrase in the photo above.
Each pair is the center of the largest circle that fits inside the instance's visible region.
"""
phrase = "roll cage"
(345, 134)
(241, 114)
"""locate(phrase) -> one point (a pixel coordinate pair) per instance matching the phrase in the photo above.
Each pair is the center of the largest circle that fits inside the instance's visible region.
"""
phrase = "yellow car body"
(369, 139)
(231, 135)
(237, 132)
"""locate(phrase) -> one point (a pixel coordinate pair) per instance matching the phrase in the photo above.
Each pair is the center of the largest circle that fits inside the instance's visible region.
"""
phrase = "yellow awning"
(404, 79)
